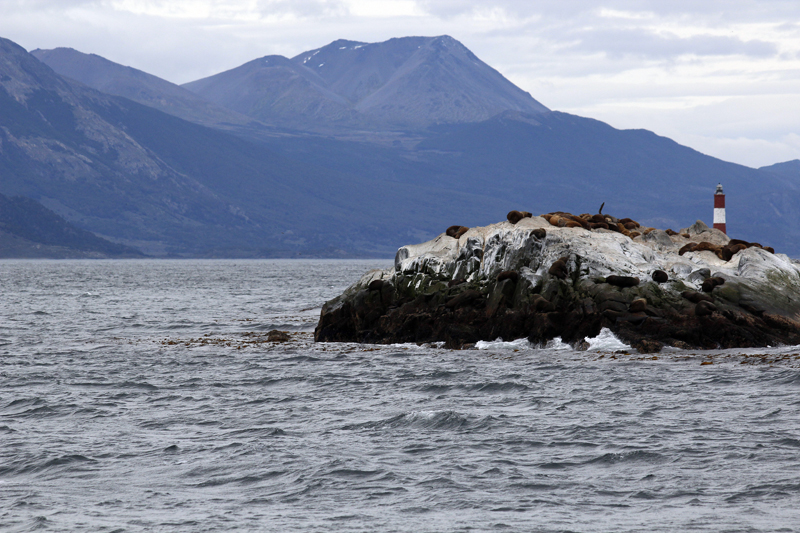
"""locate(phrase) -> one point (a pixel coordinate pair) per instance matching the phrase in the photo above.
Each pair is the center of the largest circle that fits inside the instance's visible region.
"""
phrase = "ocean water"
(145, 396)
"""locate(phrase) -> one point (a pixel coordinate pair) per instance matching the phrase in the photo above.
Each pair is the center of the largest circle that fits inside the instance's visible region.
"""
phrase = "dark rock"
(647, 346)
(376, 285)
(622, 281)
(278, 336)
(465, 298)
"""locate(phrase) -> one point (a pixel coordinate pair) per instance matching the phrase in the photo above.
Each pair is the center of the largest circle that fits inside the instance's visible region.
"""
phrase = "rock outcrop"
(560, 275)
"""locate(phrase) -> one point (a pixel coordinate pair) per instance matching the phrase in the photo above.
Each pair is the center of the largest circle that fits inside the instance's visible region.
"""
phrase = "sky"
(721, 76)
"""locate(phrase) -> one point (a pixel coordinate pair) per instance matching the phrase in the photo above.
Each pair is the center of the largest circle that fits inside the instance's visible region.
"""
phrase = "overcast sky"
(721, 76)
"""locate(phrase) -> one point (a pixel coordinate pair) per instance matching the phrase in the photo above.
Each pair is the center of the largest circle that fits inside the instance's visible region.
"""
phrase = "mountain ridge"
(356, 84)
(175, 188)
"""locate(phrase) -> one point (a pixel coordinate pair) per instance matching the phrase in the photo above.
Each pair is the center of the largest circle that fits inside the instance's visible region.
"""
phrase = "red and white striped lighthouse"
(719, 209)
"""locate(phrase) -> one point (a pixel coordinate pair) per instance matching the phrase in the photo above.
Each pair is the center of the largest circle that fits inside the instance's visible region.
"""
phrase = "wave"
(435, 420)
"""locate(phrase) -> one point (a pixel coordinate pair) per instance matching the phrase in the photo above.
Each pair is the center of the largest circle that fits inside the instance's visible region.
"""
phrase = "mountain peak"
(400, 83)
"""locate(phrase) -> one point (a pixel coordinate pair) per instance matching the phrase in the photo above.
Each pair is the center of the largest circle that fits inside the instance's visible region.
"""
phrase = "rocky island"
(569, 276)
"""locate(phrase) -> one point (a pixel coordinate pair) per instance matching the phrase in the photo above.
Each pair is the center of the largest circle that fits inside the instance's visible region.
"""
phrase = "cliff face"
(538, 280)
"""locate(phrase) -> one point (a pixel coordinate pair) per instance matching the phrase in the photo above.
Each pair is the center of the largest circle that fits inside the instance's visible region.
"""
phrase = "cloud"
(651, 44)
(695, 71)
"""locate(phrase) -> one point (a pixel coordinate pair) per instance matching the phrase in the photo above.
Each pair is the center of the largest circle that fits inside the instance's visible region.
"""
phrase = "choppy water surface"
(143, 395)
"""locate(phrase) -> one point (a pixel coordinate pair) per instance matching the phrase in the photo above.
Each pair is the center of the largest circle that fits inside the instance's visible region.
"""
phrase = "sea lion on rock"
(696, 297)
(452, 230)
(572, 224)
(559, 268)
(539, 233)
(736, 248)
(514, 216)
(659, 276)
(710, 283)
(689, 247)
(461, 232)
(705, 245)
(671, 232)
(639, 305)
(705, 308)
(526, 214)
(540, 304)
(508, 274)
(769, 249)
(622, 281)
(598, 225)
(630, 225)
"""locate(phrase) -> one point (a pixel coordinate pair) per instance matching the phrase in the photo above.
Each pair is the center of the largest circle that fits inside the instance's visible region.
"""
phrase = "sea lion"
(514, 216)
(526, 214)
(622, 281)
(599, 219)
(769, 249)
(461, 232)
(572, 224)
(659, 276)
(704, 308)
(541, 304)
(539, 233)
(559, 268)
(710, 283)
(724, 253)
(671, 232)
(696, 297)
(598, 225)
(689, 247)
(639, 305)
(705, 245)
(508, 274)
(735, 248)
(452, 230)
(630, 224)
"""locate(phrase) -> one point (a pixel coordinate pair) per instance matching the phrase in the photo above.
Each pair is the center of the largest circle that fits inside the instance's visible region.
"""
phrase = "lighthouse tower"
(719, 209)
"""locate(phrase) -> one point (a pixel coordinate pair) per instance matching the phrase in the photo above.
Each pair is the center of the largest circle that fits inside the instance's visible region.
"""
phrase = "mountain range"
(346, 150)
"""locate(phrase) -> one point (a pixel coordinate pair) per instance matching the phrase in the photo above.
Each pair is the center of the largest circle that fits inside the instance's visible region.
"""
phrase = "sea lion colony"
(557, 283)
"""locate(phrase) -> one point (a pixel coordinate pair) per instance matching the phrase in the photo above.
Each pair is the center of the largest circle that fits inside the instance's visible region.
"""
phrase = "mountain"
(557, 161)
(28, 229)
(140, 177)
(115, 79)
(410, 82)
(789, 169)
(137, 176)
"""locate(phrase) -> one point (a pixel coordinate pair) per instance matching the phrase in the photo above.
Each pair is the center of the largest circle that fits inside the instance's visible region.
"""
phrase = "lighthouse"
(719, 209)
